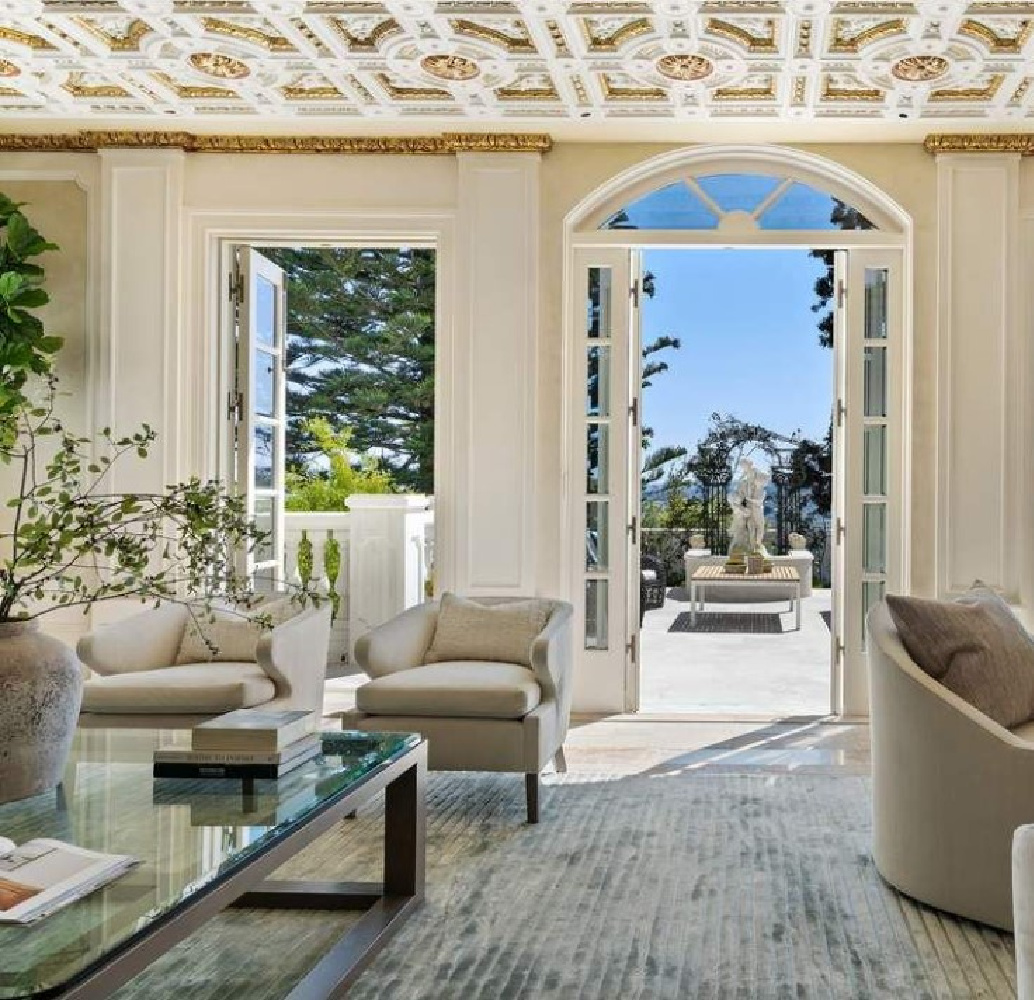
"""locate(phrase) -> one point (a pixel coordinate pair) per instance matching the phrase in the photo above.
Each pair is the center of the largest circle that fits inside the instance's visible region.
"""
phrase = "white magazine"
(43, 875)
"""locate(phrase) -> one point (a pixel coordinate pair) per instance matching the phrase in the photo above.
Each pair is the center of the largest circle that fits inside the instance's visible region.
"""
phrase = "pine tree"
(360, 354)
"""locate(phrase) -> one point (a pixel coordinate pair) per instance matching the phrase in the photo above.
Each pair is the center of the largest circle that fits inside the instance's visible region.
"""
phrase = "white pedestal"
(386, 567)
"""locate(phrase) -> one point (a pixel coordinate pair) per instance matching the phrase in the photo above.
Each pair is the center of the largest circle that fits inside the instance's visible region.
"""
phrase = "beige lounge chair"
(136, 684)
(477, 716)
(950, 786)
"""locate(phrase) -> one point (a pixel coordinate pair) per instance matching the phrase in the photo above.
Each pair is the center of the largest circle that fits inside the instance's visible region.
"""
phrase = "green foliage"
(25, 348)
(361, 348)
(330, 489)
(73, 542)
(842, 217)
(332, 567)
(305, 559)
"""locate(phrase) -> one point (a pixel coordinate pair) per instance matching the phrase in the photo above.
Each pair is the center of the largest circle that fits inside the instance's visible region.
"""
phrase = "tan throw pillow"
(504, 633)
(975, 647)
(234, 634)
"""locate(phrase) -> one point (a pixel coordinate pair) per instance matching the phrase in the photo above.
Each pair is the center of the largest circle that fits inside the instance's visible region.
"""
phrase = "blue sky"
(749, 342)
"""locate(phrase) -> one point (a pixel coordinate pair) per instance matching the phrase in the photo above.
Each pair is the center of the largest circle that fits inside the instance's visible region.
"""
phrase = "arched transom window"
(738, 203)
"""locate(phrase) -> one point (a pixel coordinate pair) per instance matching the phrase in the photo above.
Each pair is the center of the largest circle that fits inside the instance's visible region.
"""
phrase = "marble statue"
(747, 499)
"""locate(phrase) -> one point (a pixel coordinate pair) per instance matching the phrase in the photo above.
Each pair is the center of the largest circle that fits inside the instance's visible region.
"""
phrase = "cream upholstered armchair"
(950, 786)
(477, 715)
(137, 681)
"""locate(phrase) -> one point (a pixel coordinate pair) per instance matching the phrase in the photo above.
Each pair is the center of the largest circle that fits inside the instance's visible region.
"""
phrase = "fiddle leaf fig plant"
(74, 540)
(25, 347)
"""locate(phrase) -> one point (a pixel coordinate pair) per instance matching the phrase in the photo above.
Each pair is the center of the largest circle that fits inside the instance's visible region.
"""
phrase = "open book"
(43, 875)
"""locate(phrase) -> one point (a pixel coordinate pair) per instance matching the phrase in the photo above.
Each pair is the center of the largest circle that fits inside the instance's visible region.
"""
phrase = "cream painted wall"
(306, 184)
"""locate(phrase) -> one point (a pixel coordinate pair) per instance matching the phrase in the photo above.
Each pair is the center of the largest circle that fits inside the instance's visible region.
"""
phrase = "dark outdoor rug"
(663, 886)
(747, 622)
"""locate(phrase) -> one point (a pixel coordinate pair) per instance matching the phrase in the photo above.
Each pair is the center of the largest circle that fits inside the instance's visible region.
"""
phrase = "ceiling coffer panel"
(492, 59)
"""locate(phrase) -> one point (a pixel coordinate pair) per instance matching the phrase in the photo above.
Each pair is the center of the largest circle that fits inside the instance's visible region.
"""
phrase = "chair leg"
(531, 791)
(560, 761)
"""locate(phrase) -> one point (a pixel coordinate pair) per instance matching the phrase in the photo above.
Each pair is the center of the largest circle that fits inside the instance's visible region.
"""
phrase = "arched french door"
(733, 197)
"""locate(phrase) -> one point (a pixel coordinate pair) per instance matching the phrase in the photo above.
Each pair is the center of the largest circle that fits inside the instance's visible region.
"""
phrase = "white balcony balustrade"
(372, 561)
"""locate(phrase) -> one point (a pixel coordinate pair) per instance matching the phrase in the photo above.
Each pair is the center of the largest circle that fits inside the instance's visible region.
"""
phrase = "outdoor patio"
(750, 662)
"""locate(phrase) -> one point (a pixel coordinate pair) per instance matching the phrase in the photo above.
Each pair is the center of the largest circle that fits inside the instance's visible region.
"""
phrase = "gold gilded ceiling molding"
(401, 93)
(128, 42)
(448, 142)
(995, 42)
(984, 93)
(611, 43)
(24, 38)
(366, 43)
(735, 33)
(976, 142)
(228, 29)
(843, 42)
(511, 43)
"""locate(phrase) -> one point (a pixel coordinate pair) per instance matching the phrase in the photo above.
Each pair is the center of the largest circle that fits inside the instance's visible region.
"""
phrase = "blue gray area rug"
(721, 885)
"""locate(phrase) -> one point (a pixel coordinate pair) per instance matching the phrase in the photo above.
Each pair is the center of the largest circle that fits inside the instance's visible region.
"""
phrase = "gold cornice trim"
(448, 142)
(976, 142)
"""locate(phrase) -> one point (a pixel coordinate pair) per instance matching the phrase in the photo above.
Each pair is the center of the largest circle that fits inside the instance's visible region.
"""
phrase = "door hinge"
(632, 648)
(634, 411)
(840, 651)
(841, 412)
(236, 289)
(841, 293)
(634, 528)
(633, 293)
(840, 531)
(234, 405)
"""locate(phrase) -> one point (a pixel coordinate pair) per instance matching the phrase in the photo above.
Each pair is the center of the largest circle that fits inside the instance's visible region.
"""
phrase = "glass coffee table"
(205, 845)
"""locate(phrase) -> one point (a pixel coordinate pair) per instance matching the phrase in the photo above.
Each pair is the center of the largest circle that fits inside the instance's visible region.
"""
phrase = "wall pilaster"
(492, 513)
(137, 370)
(980, 357)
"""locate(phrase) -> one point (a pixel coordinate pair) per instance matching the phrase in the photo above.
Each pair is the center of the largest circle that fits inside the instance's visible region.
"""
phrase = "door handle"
(634, 529)
(841, 531)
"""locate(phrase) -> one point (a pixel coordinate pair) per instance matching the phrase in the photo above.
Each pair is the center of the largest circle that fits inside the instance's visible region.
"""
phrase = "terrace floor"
(740, 669)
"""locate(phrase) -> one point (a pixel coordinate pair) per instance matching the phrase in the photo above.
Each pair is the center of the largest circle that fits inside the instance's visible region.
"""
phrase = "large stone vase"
(41, 688)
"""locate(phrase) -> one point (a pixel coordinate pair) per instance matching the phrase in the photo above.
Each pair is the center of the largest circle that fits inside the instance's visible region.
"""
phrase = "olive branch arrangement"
(75, 541)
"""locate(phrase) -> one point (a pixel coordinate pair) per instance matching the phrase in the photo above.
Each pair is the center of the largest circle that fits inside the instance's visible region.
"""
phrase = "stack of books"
(249, 743)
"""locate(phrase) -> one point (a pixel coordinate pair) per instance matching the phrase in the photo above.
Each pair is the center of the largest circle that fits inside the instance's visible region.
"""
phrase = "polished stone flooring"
(643, 743)
(732, 672)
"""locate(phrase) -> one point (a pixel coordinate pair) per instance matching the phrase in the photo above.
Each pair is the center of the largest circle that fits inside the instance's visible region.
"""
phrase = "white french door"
(605, 502)
(258, 407)
(868, 555)
(867, 547)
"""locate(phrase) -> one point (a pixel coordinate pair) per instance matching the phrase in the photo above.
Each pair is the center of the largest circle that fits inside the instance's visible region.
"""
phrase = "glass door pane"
(261, 420)
(599, 311)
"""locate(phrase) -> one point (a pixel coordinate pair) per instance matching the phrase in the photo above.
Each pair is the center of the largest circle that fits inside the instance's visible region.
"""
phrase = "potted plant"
(69, 539)
(72, 542)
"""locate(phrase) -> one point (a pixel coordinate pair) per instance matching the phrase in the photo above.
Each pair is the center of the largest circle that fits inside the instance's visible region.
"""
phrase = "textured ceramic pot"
(41, 688)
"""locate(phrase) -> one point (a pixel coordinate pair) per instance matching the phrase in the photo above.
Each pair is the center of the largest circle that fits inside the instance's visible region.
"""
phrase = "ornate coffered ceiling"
(523, 60)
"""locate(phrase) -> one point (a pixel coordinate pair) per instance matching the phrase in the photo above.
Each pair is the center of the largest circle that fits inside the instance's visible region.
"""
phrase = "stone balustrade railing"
(374, 561)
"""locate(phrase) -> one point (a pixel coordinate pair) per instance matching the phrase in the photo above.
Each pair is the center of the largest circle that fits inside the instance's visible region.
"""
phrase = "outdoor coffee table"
(708, 577)
(205, 845)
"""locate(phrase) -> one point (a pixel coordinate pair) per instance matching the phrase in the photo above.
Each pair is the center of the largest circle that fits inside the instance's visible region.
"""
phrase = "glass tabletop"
(187, 833)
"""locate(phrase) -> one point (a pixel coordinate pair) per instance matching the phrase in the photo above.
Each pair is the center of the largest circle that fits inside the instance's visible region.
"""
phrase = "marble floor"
(668, 743)
(643, 743)
(731, 672)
